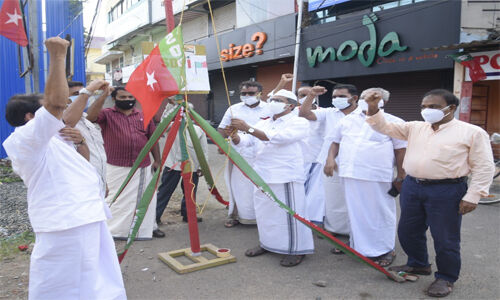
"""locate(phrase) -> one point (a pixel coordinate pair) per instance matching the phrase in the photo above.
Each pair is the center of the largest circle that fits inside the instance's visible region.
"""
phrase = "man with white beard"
(251, 110)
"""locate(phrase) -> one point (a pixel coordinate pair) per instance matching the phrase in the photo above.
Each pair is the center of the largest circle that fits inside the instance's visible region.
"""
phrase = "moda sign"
(365, 52)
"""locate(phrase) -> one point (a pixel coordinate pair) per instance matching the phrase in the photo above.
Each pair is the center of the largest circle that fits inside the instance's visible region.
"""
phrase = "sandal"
(336, 251)
(292, 260)
(255, 251)
(385, 260)
(231, 223)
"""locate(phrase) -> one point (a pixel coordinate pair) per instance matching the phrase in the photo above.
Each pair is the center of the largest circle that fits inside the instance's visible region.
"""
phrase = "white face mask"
(301, 100)
(433, 115)
(73, 98)
(249, 100)
(341, 102)
(277, 107)
(364, 106)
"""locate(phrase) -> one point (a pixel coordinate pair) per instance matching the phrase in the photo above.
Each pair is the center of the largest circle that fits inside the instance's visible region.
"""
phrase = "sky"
(89, 8)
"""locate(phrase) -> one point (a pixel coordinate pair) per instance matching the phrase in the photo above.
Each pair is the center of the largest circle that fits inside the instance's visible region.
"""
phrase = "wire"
(90, 36)
(71, 23)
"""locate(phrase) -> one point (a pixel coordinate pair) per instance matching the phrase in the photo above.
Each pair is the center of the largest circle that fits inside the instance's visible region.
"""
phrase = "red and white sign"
(489, 61)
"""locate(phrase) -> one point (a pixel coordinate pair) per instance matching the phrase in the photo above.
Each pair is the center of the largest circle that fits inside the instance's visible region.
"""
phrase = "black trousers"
(169, 181)
(436, 207)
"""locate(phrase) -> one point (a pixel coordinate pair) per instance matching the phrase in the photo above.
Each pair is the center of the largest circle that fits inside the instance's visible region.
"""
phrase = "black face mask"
(125, 104)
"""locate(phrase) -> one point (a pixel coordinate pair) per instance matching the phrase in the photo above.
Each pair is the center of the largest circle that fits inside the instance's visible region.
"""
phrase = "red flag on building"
(476, 72)
(159, 76)
(11, 22)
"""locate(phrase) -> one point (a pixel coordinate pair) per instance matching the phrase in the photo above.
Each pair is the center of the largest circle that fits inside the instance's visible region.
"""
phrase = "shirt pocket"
(139, 125)
(451, 154)
(378, 137)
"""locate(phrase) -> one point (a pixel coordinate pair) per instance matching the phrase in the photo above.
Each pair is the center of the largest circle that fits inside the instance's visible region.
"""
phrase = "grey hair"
(385, 93)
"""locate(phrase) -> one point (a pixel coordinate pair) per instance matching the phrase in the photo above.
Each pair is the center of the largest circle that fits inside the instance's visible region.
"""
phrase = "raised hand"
(99, 85)
(372, 97)
(57, 46)
(318, 90)
(287, 77)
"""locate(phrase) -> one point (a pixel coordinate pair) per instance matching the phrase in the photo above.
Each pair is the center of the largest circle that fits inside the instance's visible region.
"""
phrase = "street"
(146, 277)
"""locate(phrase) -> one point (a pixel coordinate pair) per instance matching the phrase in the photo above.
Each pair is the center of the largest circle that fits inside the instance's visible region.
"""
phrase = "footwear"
(440, 288)
(157, 233)
(255, 251)
(198, 219)
(292, 260)
(412, 270)
(336, 251)
(231, 223)
(384, 260)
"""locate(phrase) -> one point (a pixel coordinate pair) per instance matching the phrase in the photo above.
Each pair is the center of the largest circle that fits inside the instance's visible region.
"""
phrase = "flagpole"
(33, 40)
(297, 46)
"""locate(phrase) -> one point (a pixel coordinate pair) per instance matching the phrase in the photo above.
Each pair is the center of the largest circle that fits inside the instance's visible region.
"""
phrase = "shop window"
(121, 62)
(108, 67)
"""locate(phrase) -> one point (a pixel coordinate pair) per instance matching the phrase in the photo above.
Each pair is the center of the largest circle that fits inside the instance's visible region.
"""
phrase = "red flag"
(160, 75)
(476, 72)
(11, 22)
(151, 83)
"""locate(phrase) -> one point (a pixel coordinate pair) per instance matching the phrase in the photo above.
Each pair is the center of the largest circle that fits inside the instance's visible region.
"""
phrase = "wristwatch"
(80, 143)
(85, 91)
(251, 130)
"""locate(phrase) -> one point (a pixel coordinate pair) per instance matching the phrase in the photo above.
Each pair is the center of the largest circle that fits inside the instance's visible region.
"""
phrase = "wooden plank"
(200, 261)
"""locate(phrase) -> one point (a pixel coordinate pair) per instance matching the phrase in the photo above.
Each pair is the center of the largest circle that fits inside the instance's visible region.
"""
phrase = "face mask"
(433, 115)
(73, 98)
(341, 102)
(364, 106)
(277, 107)
(301, 100)
(249, 100)
(125, 104)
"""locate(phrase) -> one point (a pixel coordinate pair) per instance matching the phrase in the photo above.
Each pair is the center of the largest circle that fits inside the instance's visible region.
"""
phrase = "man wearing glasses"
(251, 110)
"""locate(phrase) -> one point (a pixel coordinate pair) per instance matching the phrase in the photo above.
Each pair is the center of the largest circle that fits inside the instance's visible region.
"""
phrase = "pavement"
(262, 277)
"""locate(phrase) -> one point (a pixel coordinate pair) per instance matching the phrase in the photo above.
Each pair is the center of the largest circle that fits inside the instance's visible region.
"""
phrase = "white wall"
(129, 21)
(225, 17)
(195, 29)
(475, 21)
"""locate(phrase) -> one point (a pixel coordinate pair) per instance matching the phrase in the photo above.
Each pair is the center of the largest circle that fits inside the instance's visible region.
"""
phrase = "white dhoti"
(315, 192)
(279, 232)
(372, 213)
(240, 195)
(78, 263)
(336, 216)
(123, 209)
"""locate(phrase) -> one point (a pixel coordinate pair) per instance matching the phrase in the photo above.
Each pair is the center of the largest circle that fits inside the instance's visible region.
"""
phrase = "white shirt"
(280, 159)
(329, 118)
(93, 138)
(364, 153)
(314, 142)
(64, 189)
(250, 115)
(174, 157)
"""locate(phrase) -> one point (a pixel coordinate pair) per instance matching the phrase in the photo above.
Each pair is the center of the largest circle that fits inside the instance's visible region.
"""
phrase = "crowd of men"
(340, 167)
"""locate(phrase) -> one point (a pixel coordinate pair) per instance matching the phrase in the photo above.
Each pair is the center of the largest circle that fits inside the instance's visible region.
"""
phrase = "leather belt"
(438, 181)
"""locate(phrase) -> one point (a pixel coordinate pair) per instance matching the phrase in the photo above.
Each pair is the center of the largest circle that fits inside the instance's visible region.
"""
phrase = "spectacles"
(275, 100)
(248, 93)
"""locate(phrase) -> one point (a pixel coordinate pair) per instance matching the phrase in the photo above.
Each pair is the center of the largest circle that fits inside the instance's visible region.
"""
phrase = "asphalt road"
(146, 277)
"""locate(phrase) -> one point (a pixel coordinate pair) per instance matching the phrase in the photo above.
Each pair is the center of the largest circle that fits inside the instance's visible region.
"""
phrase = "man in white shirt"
(276, 143)
(172, 173)
(74, 255)
(251, 110)
(344, 101)
(367, 181)
(74, 116)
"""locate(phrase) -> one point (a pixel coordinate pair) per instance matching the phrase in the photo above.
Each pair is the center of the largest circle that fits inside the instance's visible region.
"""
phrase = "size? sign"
(246, 50)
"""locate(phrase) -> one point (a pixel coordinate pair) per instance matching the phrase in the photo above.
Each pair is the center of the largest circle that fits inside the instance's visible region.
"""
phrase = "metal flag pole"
(297, 46)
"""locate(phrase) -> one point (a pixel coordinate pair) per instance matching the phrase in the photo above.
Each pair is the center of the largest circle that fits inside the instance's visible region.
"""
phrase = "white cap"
(287, 94)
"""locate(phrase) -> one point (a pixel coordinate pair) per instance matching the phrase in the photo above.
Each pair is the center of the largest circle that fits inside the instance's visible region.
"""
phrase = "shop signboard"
(386, 42)
(489, 61)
